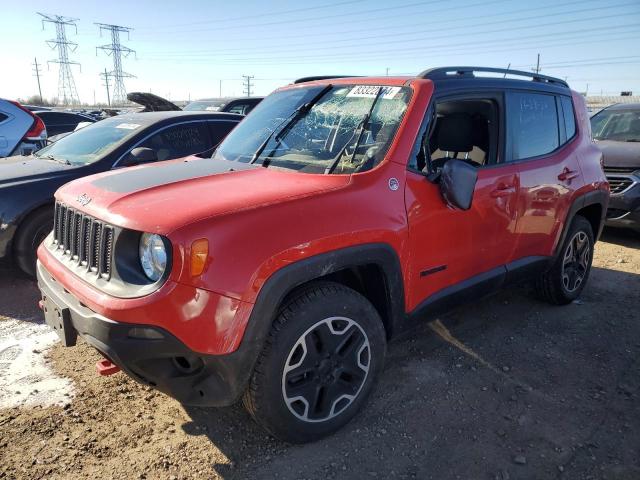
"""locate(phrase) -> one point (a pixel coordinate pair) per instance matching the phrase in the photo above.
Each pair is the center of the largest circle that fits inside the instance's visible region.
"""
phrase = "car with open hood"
(616, 130)
(27, 183)
(338, 214)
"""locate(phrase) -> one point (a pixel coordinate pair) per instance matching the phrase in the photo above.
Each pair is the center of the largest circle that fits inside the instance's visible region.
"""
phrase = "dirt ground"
(508, 388)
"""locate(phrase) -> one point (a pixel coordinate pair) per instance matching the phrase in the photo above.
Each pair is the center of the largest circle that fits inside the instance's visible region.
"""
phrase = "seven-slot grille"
(86, 240)
(619, 184)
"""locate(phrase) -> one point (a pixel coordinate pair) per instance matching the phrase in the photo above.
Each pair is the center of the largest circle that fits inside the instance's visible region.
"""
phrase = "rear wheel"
(320, 362)
(31, 233)
(564, 281)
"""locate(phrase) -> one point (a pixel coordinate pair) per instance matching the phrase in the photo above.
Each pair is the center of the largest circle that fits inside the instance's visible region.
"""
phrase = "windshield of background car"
(618, 125)
(88, 144)
(205, 105)
(330, 137)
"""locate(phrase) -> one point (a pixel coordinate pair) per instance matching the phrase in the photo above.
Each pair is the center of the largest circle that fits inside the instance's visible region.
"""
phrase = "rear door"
(542, 143)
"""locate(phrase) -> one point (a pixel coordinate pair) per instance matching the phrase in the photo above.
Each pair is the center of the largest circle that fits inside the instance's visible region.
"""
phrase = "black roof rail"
(442, 73)
(321, 77)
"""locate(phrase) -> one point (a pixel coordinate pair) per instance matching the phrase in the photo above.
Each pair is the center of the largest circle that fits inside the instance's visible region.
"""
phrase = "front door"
(455, 247)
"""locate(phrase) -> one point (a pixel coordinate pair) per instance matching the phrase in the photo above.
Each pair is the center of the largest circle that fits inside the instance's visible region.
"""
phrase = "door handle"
(502, 190)
(567, 175)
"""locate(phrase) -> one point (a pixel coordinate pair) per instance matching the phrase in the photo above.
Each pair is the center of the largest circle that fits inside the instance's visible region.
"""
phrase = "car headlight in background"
(153, 256)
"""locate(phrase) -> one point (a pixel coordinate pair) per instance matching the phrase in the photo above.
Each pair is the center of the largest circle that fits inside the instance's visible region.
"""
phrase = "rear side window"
(3, 117)
(532, 122)
(569, 116)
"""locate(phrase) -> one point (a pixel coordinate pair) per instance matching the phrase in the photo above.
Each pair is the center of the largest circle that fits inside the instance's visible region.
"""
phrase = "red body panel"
(260, 220)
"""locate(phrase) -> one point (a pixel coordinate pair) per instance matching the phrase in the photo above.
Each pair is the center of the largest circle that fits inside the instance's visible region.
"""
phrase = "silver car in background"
(21, 132)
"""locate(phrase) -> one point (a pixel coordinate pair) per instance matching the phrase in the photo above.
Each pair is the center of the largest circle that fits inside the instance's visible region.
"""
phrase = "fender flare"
(595, 197)
(288, 278)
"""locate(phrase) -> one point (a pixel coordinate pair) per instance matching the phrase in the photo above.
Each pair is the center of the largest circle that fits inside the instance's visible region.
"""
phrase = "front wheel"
(320, 362)
(568, 275)
(31, 233)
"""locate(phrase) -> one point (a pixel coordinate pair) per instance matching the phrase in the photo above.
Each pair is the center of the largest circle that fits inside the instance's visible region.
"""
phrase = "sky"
(200, 48)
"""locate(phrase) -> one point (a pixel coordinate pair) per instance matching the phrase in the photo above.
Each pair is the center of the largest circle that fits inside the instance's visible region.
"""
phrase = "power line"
(117, 50)
(343, 35)
(36, 71)
(267, 14)
(247, 84)
(66, 85)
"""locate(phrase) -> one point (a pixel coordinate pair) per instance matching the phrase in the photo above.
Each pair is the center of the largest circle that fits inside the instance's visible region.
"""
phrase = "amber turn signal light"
(199, 255)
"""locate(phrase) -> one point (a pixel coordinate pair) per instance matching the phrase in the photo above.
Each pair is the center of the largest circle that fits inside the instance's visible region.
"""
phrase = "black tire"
(31, 233)
(561, 285)
(324, 317)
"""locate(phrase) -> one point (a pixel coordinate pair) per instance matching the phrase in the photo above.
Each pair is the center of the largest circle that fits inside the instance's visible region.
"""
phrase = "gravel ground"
(508, 388)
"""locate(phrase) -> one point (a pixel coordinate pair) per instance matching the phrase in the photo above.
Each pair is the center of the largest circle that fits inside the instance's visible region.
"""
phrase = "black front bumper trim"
(165, 363)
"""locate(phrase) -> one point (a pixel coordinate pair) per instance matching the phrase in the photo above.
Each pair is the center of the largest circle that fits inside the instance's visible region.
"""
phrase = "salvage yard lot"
(508, 387)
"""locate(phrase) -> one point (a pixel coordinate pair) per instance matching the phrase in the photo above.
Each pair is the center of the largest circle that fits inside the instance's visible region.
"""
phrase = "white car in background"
(21, 132)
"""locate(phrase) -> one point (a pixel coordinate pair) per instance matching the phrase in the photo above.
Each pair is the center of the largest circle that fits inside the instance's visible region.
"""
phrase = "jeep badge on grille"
(83, 199)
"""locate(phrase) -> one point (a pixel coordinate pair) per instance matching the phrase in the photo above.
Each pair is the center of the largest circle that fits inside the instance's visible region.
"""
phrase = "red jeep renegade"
(338, 213)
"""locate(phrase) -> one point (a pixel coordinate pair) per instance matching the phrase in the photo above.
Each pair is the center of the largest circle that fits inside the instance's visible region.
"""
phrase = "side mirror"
(457, 183)
(141, 155)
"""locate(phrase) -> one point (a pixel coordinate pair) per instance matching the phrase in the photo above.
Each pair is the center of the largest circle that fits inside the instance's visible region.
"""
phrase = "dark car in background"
(62, 122)
(241, 105)
(27, 183)
(617, 132)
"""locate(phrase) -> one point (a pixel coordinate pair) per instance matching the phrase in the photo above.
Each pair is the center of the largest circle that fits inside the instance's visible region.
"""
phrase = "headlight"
(153, 255)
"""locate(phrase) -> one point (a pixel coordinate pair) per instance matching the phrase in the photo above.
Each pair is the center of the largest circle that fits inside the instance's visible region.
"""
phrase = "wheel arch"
(373, 270)
(592, 206)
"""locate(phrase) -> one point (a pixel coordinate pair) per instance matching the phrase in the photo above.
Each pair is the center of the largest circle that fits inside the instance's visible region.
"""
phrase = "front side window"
(618, 125)
(532, 122)
(319, 129)
(179, 141)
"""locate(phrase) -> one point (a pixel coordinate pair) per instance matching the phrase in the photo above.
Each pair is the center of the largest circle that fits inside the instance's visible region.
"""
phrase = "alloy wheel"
(576, 261)
(326, 369)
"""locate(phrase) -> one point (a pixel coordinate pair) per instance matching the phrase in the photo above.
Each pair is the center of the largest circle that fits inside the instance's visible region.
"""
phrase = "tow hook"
(106, 367)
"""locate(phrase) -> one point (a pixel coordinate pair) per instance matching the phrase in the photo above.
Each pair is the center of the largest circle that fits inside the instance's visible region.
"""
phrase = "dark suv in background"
(617, 131)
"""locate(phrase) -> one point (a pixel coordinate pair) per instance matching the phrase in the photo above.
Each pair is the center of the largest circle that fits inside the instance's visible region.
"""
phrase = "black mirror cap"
(457, 183)
(143, 155)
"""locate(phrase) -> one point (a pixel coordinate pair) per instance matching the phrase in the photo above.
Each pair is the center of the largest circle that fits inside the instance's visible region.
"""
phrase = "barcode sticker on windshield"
(372, 90)
(128, 126)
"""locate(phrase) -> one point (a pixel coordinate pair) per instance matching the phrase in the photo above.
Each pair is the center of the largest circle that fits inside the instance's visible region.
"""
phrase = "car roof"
(624, 106)
(149, 118)
(455, 77)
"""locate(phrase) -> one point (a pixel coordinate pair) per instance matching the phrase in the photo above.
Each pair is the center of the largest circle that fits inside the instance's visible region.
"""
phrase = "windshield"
(88, 144)
(347, 129)
(208, 105)
(619, 125)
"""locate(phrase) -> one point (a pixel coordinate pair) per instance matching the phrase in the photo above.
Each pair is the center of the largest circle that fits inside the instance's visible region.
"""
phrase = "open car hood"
(152, 103)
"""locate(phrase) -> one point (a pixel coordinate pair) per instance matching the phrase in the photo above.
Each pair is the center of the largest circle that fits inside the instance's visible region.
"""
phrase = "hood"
(21, 169)
(620, 154)
(152, 103)
(163, 197)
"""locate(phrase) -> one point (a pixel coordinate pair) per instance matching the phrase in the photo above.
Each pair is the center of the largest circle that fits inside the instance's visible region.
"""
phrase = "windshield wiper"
(51, 157)
(358, 134)
(287, 124)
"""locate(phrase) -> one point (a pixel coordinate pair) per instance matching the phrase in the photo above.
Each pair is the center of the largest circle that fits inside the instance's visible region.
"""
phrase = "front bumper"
(164, 363)
(624, 207)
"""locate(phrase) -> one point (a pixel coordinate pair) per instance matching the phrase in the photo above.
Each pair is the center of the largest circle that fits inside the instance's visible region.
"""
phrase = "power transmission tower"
(247, 84)
(36, 71)
(67, 92)
(117, 51)
(105, 75)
